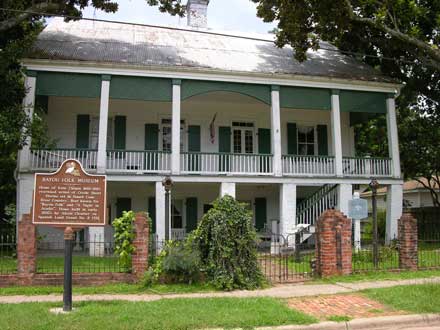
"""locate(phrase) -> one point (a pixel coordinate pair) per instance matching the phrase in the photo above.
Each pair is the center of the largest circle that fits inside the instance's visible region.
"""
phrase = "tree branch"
(432, 191)
(423, 46)
(40, 8)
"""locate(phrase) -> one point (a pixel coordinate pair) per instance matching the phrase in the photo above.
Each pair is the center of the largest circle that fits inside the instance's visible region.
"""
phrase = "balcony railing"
(367, 166)
(138, 161)
(206, 163)
(47, 159)
(308, 165)
(225, 163)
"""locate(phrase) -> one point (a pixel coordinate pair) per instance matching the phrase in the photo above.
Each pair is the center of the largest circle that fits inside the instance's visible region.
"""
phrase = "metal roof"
(154, 46)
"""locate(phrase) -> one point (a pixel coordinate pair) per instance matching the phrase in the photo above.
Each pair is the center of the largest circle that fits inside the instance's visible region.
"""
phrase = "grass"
(380, 276)
(422, 298)
(339, 318)
(176, 314)
(120, 288)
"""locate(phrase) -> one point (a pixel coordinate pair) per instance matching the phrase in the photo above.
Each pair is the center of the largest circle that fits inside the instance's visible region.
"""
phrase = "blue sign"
(358, 209)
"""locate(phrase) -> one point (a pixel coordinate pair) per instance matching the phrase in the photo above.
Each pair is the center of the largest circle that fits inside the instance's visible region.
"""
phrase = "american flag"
(212, 128)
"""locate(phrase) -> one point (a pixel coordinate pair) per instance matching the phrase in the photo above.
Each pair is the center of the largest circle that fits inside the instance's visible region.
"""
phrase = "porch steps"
(312, 207)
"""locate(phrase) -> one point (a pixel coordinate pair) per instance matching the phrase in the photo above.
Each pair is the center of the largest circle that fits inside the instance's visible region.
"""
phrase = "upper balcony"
(158, 126)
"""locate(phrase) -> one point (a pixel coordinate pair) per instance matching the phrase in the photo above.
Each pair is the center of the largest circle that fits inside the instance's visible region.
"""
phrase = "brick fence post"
(408, 244)
(26, 250)
(333, 244)
(140, 255)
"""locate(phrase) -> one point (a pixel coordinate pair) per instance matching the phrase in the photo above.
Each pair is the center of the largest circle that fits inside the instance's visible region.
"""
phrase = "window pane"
(237, 141)
(310, 149)
(301, 136)
(310, 135)
(249, 142)
(166, 138)
(302, 149)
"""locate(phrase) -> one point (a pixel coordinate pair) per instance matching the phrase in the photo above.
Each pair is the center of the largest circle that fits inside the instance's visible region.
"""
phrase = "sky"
(235, 15)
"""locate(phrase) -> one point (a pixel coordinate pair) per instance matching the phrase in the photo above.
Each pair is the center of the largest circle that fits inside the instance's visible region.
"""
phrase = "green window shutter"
(151, 137)
(191, 214)
(292, 145)
(82, 131)
(194, 138)
(260, 213)
(322, 140)
(120, 132)
(224, 139)
(264, 141)
(194, 146)
(152, 213)
(224, 145)
(122, 204)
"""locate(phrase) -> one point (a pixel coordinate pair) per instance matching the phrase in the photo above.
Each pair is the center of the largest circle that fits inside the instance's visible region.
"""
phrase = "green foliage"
(367, 233)
(124, 236)
(226, 240)
(178, 262)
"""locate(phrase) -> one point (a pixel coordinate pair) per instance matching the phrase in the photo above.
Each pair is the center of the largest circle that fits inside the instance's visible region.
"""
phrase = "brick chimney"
(197, 12)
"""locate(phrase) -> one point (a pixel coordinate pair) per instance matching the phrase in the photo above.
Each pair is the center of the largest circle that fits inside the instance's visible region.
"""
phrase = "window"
(167, 135)
(243, 138)
(306, 140)
(177, 214)
(94, 133)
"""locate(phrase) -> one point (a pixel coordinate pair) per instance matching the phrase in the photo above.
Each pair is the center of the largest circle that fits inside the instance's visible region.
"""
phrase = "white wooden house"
(220, 112)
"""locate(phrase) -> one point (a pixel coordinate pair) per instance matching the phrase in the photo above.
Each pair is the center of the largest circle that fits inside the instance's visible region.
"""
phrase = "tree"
(20, 23)
(398, 37)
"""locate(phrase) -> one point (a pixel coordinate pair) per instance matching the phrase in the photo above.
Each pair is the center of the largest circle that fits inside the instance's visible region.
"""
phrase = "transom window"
(243, 137)
(306, 140)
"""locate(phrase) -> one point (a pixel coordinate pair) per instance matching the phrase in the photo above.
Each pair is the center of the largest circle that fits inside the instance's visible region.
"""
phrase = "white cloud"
(237, 15)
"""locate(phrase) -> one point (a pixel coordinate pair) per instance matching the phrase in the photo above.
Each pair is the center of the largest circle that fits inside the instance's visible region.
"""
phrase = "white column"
(275, 120)
(103, 124)
(96, 241)
(160, 212)
(175, 135)
(393, 138)
(287, 208)
(227, 188)
(24, 155)
(336, 132)
(394, 210)
(345, 192)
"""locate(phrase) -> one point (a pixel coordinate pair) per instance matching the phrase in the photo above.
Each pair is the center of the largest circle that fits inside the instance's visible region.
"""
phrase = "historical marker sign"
(358, 209)
(69, 197)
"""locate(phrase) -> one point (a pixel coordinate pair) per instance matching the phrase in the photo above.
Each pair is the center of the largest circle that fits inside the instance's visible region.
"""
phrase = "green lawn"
(120, 288)
(176, 314)
(380, 276)
(422, 298)
(84, 264)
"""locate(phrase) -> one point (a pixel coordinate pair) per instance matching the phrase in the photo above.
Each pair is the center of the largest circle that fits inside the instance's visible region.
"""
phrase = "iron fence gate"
(285, 259)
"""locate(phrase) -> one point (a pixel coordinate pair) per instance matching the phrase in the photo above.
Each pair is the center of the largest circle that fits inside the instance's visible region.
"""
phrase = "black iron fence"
(285, 259)
(363, 259)
(94, 254)
(8, 254)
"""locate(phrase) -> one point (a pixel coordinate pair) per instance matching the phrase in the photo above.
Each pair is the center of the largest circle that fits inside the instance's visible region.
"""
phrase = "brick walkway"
(350, 305)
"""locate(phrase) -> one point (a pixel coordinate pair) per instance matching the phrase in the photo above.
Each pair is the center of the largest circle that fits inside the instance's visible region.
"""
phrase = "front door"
(242, 144)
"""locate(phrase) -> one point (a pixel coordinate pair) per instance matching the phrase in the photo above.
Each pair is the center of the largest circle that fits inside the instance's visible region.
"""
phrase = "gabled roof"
(408, 186)
(167, 47)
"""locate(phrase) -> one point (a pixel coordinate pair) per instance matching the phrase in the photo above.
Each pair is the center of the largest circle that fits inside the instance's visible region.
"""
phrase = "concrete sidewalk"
(282, 291)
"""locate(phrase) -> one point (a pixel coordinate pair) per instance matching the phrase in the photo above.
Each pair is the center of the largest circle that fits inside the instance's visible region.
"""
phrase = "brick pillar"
(140, 255)
(333, 244)
(408, 244)
(26, 249)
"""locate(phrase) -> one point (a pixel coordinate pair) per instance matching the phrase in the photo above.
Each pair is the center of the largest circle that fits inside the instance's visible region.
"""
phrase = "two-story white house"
(219, 112)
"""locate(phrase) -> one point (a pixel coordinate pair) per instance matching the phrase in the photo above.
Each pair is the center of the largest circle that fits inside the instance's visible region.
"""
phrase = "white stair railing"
(310, 209)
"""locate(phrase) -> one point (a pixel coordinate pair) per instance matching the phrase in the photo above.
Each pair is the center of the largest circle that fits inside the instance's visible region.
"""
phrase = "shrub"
(124, 236)
(381, 227)
(226, 240)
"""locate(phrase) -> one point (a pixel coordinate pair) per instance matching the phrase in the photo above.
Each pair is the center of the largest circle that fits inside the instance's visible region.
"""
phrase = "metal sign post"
(69, 236)
(69, 199)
